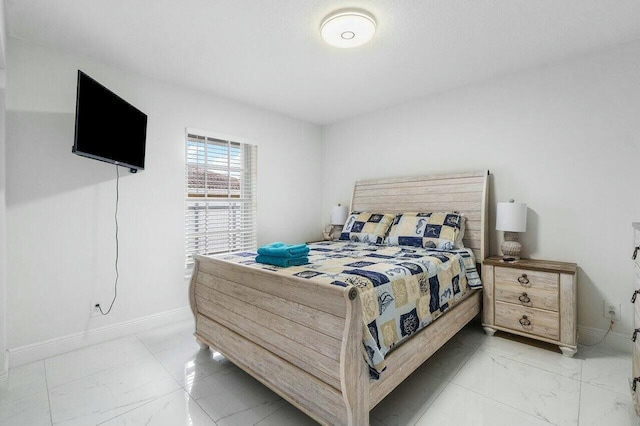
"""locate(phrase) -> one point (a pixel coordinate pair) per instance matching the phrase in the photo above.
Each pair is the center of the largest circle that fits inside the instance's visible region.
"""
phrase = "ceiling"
(269, 53)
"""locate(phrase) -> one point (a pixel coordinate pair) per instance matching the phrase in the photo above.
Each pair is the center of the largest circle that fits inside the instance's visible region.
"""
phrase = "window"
(220, 206)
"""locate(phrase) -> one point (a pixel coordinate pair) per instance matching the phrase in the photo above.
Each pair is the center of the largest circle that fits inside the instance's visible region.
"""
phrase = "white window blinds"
(220, 207)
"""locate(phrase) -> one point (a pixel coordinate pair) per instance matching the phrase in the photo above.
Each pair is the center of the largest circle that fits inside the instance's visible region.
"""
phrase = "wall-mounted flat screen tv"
(108, 128)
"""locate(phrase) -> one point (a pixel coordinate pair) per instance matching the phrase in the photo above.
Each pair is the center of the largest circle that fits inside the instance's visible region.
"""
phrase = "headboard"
(466, 193)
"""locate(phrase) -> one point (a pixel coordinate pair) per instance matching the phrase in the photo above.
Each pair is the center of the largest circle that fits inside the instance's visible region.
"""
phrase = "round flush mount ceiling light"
(348, 28)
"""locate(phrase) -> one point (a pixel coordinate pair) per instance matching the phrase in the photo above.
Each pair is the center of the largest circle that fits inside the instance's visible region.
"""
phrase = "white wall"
(3, 235)
(564, 138)
(60, 230)
(3, 208)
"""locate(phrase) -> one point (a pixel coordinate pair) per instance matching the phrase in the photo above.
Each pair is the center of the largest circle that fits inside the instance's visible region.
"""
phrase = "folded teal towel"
(283, 250)
(281, 261)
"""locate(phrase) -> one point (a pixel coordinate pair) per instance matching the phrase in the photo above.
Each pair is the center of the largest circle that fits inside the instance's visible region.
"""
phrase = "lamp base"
(511, 247)
(335, 232)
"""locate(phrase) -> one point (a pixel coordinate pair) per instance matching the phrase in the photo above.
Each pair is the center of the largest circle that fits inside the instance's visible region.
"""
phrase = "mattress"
(402, 289)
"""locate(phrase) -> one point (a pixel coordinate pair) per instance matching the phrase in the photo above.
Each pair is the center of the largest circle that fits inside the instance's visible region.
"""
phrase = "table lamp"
(511, 218)
(338, 218)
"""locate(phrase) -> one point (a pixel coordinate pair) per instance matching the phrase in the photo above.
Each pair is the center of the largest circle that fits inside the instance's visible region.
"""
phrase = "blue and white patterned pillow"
(427, 230)
(366, 227)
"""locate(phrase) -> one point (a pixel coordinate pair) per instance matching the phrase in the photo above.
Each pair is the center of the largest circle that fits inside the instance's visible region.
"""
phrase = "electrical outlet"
(94, 309)
(612, 310)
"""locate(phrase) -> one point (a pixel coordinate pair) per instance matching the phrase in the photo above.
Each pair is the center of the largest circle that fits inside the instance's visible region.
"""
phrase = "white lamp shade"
(511, 217)
(339, 215)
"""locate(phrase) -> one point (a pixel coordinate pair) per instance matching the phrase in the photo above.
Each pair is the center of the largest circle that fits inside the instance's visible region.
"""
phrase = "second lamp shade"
(339, 215)
(511, 217)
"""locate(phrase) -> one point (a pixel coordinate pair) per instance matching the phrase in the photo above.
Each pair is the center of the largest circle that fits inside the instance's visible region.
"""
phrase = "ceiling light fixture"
(348, 28)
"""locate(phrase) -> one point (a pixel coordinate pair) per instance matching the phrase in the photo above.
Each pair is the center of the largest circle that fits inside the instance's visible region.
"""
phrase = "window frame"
(224, 202)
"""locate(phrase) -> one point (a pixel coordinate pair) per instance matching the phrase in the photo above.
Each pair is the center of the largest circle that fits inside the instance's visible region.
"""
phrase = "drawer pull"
(524, 298)
(635, 380)
(524, 321)
(523, 279)
(635, 334)
(635, 252)
(635, 294)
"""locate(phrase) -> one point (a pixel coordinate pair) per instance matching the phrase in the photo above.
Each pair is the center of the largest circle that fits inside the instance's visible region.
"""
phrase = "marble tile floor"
(160, 377)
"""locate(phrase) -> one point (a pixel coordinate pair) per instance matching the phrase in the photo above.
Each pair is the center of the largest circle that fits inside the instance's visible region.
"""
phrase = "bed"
(303, 338)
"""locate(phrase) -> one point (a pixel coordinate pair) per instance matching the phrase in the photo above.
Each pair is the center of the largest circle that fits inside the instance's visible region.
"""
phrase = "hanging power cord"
(603, 337)
(115, 286)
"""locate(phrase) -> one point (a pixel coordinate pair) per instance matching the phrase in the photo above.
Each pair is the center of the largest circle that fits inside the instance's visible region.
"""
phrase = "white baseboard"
(614, 342)
(41, 350)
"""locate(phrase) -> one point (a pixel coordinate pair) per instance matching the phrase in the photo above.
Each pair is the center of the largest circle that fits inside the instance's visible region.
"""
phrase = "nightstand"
(531, 298)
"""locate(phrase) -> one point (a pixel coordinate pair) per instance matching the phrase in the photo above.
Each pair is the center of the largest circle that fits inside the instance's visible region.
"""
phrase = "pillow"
(365, 227)
(428, 230)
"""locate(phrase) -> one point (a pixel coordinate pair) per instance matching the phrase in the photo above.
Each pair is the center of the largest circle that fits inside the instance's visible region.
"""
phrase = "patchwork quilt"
(402, 288)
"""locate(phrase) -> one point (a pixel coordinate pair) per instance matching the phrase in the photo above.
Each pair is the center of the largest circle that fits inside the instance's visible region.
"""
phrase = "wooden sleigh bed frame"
(304, 339)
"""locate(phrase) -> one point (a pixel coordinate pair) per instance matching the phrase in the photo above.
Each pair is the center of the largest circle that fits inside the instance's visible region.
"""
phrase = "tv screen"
(108, 128)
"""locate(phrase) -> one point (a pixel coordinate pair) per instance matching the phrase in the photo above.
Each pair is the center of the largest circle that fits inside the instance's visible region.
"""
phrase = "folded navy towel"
(284, 250)
(281, 261)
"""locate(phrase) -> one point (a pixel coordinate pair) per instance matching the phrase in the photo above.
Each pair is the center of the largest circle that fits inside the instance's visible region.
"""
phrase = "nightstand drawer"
(528, 320)
(527, 279)
(529, 297)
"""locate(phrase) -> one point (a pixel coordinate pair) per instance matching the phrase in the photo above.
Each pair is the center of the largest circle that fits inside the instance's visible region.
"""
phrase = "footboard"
(300, 338)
